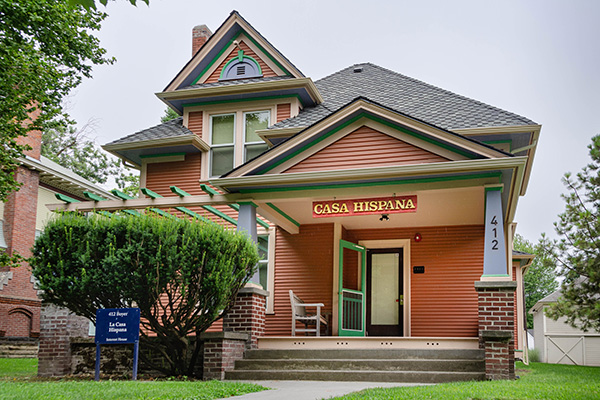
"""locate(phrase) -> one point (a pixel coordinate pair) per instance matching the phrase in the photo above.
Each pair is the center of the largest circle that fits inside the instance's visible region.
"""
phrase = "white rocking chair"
(299, 314)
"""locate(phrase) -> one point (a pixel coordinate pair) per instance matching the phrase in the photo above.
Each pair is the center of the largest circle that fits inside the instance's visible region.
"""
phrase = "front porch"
(366, 343)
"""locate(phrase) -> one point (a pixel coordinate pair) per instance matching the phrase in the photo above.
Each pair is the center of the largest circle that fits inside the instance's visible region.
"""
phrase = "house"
(22, 218)
(389, 200)
(559, 342)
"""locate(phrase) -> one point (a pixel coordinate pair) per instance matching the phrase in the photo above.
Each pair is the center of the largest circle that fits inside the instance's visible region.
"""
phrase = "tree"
(540, 277)
(73, 149)
(46, 48)
(578, 250)
(92, 3)
(168, 115)
(183, 275)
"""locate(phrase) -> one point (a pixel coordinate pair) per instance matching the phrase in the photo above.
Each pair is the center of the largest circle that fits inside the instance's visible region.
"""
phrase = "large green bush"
(183, 275)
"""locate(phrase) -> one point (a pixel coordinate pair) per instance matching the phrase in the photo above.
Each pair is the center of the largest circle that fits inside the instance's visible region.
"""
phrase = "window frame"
(221, 145)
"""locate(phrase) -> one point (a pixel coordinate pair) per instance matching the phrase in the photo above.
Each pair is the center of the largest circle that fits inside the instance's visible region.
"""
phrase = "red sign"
(381, 205)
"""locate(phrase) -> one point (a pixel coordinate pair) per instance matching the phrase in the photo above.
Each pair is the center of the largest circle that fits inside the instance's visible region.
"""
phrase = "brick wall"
(19, 304)
(221, 350)
(496, 327)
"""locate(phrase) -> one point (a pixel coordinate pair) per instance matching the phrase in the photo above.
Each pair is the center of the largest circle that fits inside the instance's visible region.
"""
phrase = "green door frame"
(344, 244)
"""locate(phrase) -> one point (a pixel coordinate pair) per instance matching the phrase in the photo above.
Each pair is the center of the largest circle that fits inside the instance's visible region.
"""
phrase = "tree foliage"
(540, 277)
(578, 250)
(73, 149)
(182, 275)
(168, 115)
(46, 48)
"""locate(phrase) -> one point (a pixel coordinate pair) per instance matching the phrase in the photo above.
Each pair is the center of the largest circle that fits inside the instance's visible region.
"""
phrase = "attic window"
(241, 67)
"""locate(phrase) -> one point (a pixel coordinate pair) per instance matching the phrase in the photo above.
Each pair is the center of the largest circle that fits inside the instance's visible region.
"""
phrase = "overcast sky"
(539, 59)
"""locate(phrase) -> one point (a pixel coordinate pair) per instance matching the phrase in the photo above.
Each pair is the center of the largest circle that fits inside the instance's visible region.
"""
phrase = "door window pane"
(223, 128)
(385, 289)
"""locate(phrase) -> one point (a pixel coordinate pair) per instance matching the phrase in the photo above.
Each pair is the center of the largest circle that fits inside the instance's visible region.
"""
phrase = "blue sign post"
(118, 326)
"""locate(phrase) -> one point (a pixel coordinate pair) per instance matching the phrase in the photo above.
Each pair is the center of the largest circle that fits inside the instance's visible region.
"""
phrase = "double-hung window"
(253, 144)
(222, 141)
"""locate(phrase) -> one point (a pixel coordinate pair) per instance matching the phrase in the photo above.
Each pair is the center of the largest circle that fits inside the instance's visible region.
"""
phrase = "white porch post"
(494, 256)
(247, 223)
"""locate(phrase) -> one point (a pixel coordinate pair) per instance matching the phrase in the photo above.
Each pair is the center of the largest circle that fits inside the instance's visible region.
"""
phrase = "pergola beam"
(162, 202)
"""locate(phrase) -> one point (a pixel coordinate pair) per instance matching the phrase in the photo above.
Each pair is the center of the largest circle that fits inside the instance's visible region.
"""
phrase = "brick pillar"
(221, 349)
(496, 327)
(248, 315)
(58, 326)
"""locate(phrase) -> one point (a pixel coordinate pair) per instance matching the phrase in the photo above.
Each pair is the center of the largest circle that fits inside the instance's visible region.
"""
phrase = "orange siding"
(303, 264)
(195, 122)
(443, 299)
(365, 147)
(284, 111)
(266, 70)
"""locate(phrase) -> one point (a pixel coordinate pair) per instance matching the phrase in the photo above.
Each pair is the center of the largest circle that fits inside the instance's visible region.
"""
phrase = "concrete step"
(362, 365)
(356, 376)
(370, 354)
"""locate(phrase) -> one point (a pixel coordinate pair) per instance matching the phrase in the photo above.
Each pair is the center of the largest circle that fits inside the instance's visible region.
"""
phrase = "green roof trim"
(283, 214)
(150, 193)
(275, 97)
(208, 190)
(373, 118)
(381, 183)
(121, 195)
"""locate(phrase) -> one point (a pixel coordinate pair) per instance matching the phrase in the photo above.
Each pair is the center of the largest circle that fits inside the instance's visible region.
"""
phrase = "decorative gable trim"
(222, 42)
(364, 112)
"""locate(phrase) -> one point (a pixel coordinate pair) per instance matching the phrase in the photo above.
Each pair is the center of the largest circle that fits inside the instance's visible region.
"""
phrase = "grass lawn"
(18, 381)
(538, 381)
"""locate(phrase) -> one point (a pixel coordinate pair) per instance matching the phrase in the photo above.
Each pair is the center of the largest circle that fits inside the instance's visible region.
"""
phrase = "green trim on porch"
(367, 184)
(283, 214)
(65, 198)
(211, 192)
(92, 196)
(373, 118)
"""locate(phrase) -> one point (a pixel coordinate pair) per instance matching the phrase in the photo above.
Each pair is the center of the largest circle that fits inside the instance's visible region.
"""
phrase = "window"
(253, 144)
(222, 139)
(263, 262)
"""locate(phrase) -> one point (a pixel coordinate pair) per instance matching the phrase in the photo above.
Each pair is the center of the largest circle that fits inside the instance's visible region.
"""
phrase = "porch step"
(411, 366)
(18, 348)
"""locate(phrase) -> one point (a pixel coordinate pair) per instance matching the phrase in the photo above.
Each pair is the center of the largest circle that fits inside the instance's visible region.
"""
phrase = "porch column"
(496, 327)
(247, 223)
(494, 256)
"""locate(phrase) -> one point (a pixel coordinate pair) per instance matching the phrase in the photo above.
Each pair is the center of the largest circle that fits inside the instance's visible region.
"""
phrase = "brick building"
(22, 217)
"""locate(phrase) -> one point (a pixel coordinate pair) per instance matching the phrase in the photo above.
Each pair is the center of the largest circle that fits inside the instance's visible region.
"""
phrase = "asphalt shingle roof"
(172, 128)
(404, 94)
(398, 92)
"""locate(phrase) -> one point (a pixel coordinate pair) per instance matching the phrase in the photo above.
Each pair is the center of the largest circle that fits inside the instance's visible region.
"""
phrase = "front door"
(352, 289)
(385, 300)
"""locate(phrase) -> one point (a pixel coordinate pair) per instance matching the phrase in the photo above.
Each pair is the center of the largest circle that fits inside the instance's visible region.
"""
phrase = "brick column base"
(221, 349)
(496, 327)
(248, 315)
(57, 327)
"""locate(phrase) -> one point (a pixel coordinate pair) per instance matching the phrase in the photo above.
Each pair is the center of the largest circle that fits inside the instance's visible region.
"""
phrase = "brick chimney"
(200, 35)
(33, 138)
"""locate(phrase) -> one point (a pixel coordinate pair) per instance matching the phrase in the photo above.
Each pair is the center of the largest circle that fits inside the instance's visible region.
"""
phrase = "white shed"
(560, 343)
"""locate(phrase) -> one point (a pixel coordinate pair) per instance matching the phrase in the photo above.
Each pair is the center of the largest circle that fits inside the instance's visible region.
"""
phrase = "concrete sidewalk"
(311, 390)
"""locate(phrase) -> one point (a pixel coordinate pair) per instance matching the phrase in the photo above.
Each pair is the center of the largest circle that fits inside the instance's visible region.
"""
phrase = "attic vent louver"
(357, 70)
(241, 69)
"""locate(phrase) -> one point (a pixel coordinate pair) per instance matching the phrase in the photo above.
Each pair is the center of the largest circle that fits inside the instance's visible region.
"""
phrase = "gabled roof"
(169, 129)
(363, 108)
(223, 38)
(429, 103)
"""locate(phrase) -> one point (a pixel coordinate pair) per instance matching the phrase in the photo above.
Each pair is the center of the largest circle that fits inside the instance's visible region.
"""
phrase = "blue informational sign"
(117, 325)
